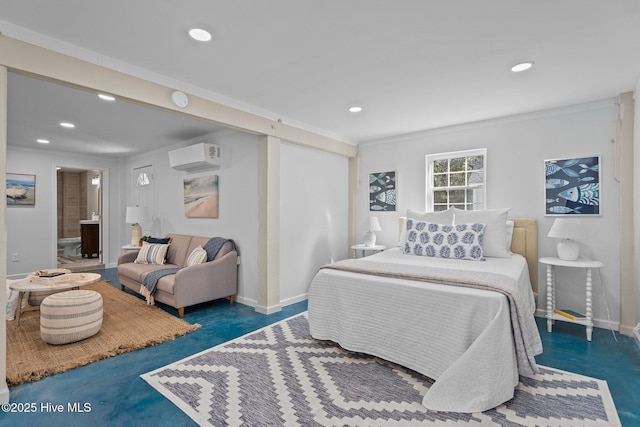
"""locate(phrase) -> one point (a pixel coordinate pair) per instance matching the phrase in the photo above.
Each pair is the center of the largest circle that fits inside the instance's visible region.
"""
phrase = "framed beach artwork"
(572, 186)
(20, 189)
(201, 197)
(382, 191)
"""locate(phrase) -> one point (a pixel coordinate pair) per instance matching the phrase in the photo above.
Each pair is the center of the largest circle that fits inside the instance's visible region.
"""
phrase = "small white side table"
(129, 248)
(587, 264)
(365, 249)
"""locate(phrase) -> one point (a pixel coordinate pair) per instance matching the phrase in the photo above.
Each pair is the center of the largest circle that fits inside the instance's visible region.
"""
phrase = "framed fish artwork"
(382, 191)
(572, 186)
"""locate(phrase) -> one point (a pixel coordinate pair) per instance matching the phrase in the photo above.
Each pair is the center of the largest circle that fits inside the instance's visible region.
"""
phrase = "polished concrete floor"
(117, 396)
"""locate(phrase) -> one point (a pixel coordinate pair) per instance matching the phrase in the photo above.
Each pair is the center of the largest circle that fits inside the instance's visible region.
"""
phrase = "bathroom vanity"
(90, 236)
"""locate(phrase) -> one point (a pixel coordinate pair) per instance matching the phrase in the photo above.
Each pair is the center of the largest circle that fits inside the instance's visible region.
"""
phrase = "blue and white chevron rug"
(280, 376)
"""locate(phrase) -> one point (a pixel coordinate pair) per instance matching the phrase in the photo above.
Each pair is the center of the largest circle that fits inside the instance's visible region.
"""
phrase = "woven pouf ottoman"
(70, 316)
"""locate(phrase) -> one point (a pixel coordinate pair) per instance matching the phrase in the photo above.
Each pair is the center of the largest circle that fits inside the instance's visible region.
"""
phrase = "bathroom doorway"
(79, 218)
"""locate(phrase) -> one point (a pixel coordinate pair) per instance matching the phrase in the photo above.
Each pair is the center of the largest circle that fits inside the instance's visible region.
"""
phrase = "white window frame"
(479, 190)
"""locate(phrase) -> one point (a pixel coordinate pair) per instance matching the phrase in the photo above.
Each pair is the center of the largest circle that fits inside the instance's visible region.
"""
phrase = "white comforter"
(461, 337)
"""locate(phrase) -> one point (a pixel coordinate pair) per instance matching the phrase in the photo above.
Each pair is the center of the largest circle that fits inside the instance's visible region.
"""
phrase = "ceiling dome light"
(355, 109)
(200, 35)
(522, 66)
(106, 97)
(67, 125)
(43, 141)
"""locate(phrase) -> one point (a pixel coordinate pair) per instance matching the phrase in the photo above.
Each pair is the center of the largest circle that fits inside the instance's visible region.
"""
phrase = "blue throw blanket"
(150, 281)
(214, 245)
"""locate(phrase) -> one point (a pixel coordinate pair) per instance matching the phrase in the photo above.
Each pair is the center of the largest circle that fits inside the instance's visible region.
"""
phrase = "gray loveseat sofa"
(217, 278)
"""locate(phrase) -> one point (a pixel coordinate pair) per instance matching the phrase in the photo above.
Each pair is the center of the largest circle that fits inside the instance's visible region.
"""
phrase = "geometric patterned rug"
(280, 376)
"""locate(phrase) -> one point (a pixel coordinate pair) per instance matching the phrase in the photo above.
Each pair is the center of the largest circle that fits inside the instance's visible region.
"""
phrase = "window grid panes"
(143, 179)
(456, 180)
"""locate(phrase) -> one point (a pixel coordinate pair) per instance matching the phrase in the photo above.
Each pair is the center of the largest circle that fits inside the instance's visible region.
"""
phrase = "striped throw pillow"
(152, 253)
(198, 256)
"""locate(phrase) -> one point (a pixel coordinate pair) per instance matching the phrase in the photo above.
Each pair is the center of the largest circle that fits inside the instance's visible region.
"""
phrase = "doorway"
(79, 214)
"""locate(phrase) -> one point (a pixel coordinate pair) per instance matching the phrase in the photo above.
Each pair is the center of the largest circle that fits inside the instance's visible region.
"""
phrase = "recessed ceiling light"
(200, 35)
(43, 141)
(67, 125)
(522, 66)
(355, 109)
(106, 97)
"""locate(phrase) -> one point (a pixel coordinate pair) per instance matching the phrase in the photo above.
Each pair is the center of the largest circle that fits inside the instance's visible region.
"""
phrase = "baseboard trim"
(268, 310)
(293, 300)
(636, 334)
(253, 303)
(598, 323)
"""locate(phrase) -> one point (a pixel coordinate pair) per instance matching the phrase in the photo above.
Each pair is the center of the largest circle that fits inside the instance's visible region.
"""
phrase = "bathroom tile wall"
(69, 204)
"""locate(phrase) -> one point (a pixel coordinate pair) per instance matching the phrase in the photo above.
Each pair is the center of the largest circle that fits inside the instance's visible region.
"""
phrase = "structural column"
(624, 170)
(354, 171)
(4, 390)
(268, 225)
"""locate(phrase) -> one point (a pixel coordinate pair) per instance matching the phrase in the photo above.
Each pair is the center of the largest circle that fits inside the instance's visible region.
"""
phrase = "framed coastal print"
(201, 197)
(382, 191)
(572, 186)
(20, 189)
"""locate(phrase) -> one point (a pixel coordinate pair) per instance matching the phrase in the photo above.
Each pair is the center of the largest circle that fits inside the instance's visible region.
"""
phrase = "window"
(143, 179)
(456, 180)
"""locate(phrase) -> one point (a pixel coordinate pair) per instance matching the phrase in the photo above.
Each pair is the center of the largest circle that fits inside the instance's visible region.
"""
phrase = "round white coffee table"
(69, 281)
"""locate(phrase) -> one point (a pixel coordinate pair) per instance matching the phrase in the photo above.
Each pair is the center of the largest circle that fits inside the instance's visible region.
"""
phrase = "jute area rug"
(280, 376)
(128, 324)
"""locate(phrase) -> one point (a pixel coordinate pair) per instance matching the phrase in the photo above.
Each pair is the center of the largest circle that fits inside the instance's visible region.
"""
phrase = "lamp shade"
(566, 228)
(136, 214)
(373, 224)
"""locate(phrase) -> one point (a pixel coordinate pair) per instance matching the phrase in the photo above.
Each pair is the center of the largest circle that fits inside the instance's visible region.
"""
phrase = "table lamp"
(135, 215)
(370, 236)
(567, 230)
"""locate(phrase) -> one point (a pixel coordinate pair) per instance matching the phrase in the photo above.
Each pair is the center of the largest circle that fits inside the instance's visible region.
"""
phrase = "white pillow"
(152, 253)
(440, 217)
(510, 227)
(495, 232)
(197, 256)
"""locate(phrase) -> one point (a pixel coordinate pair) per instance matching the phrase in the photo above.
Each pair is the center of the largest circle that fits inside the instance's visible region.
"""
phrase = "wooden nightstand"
(365, 249)
(551, 263)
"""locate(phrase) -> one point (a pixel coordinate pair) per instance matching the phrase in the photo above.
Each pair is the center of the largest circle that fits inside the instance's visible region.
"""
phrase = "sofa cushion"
(166, 284)
(162, 240)
(137, 272)
(197, 256)
(151, 253)
(179, 249)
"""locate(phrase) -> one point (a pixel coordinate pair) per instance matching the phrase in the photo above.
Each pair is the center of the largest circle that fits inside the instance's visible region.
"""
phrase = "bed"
(474, 342)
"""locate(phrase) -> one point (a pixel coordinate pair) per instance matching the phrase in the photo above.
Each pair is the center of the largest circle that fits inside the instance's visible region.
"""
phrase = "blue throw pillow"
(461, 241)
(160, 240)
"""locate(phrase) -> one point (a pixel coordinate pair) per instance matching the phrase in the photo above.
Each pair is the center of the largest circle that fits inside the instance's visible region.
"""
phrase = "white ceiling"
(411, 64)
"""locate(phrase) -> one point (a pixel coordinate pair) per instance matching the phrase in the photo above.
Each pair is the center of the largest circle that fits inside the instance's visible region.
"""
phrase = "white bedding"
(461, 337)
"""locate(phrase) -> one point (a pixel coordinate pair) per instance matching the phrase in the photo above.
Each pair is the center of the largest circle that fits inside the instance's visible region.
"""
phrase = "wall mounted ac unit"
(195, 157)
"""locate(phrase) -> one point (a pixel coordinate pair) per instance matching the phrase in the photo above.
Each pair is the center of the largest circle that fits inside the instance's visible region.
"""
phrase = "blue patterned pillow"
(461, 241)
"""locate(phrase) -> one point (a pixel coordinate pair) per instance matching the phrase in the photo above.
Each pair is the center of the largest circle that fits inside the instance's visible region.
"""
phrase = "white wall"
(31, 230)
(313, 208)
(238, 200)
(313, 216)
(516, 149)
